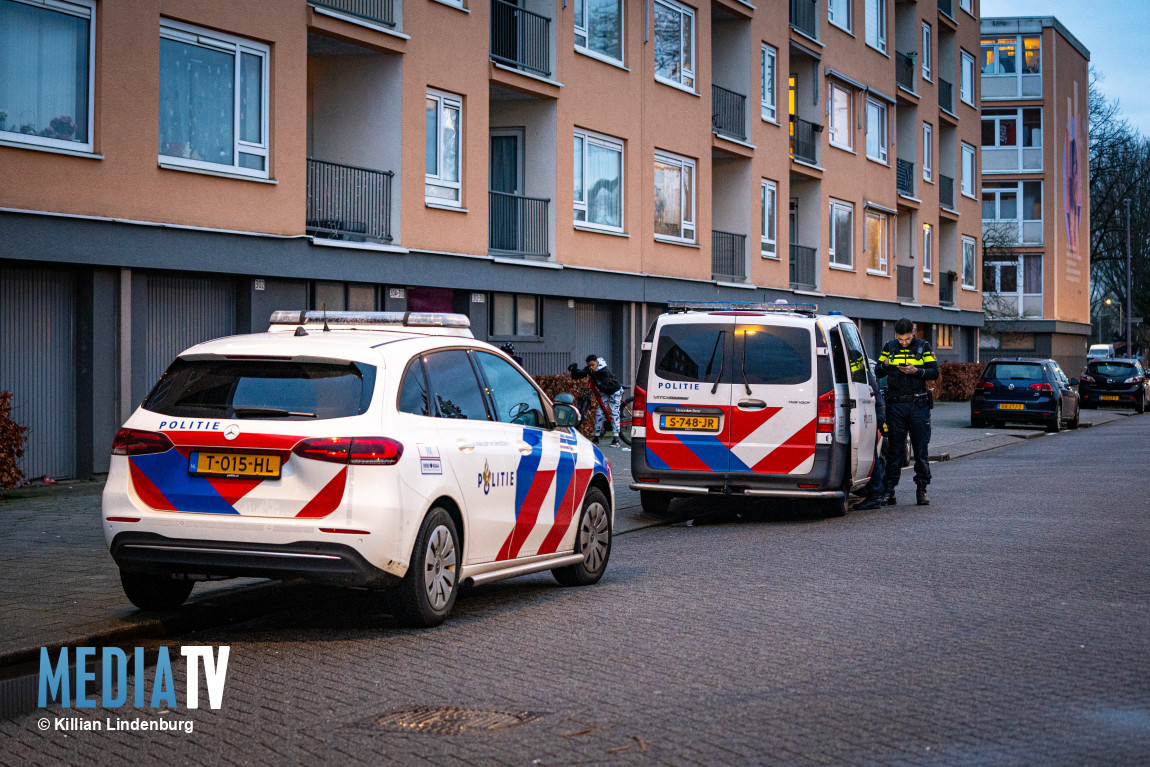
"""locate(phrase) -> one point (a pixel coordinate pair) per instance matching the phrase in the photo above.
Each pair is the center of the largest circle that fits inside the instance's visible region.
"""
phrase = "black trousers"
(903, 418)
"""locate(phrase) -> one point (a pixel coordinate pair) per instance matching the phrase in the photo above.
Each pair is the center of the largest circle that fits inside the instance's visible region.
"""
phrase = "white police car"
(371, 449)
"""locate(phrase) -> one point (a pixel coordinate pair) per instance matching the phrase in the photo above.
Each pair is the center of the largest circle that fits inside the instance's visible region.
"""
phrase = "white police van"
(755, 400)
(371, 449)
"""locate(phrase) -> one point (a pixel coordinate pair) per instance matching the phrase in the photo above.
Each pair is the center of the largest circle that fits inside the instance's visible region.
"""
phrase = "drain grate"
(450, 721)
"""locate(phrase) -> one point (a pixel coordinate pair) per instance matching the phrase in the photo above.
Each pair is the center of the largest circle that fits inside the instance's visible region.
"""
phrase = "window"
(47, 60)
(876, 130)
(876, 241)
(344, 296)
(1014, 211)
(855, 353)
(674, 197)
(599, 28)
(966, 86)
(876, 24)
(1012, 287)
(770, 90)
(514, 314)
(674, 44)
(516, 400)
(968, 170)
(1011, 67)
(967, 5)
(456, 392)
(968, 262)
(840, 116)
(444, 150)
(927, 252)
(1012, 139)
(693, 353)
(927, 151)
(598, 181)
(770, 220)
(926, 50)
(776, 355)
(839, 13)
(842, 230)
(945, 337)
(414, 397)
(213, 101)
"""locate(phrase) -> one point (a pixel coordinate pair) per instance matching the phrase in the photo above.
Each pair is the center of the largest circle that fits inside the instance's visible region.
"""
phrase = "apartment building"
(558, 170)
(1035, 191)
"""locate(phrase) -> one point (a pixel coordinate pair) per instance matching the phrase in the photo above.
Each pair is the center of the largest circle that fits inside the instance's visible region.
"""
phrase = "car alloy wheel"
(439, 567)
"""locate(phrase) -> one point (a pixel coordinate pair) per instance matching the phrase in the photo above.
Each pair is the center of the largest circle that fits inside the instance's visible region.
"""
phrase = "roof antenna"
(299, 331)
(326, 329)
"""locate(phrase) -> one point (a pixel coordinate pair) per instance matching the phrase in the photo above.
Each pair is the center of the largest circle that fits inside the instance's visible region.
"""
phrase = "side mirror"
(1074, 382)
(567, 415)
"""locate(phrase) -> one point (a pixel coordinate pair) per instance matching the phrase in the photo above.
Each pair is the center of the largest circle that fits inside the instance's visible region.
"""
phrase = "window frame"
(833, 254)
(990, 50)
(998, 117)
(444, 100)
(927, 152)
(848, 129)
(966, 84)
(686, 166)
(77, 9)
(613, 144)
(884, 254)
(1018, 188)
(967, 5)
(927, 47)
(928, 253)
(1019, 263)
(880, 43)
(581, 29)
(770, 97)
(515, 334)
(966, 150)
(684, 73)
(226, 43)
(848, 5)
(944, 338)
(972, 284)
(769, 246)
(882, 123)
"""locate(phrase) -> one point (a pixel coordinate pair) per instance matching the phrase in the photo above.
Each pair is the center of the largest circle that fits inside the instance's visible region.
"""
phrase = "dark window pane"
(988, 132)
(413, 394)
(691, 352)
(516, 400)
(456, 390)
(1014, 371)
(777, 355)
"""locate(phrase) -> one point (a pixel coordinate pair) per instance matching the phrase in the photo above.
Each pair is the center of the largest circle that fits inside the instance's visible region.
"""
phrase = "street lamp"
(1112, 303)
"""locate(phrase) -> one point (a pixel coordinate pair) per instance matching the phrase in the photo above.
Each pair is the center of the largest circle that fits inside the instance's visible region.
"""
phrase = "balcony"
(946, 191)
(728, 256)
(378, 11)
(805, 140)
(946, 288)
(905, 283)
(804, 268)
(728, 113)
(946, 95)
(904, 170)
(805, 17)
(348, 203)
(517, 226)
(520, 38)
(904, 69)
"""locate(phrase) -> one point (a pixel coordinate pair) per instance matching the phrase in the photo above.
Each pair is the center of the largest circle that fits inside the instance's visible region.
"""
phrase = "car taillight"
(639, 408)
(1133, 380)
(140, 442)
(826, 413)
(985, 385)
(1042, 387)
(357, 451)
(1088, 379)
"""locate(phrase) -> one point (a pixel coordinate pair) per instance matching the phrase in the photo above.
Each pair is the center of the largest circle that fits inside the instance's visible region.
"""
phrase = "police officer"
(908, 363)
(875, 491)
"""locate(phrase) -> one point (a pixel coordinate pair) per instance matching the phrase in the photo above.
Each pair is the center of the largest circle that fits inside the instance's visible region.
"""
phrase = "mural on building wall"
(1072, 189)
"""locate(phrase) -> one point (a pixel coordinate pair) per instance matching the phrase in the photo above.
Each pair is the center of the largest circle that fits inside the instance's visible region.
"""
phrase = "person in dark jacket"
(608, 385)
(908, 363)
(874, 492)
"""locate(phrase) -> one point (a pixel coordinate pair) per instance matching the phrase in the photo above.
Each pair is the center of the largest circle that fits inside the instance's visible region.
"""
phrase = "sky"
(1117, 34)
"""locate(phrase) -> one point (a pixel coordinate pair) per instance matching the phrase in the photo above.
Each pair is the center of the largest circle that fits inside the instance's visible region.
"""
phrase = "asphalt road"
(1007, 623)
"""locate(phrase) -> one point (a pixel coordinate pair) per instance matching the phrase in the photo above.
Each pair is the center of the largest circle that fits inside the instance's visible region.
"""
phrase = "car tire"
(149, 591)
(837, 507)
(654, 503)
(1073, 424)
(1140, 406)
(1054, 425)
(427, 593)
(592, 540)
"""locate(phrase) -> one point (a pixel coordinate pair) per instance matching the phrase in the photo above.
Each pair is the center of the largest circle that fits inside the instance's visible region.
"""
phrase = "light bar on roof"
(406, 319)
(753, 306)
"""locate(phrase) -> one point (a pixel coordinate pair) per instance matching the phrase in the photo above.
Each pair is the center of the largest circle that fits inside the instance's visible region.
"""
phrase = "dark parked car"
(1120, 382)
(1025, 390)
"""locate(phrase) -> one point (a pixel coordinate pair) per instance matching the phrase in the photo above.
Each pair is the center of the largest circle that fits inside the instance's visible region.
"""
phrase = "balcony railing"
(728, 113)
(348, 203)
(946, 191)
(805, 140)
(905, 283)
(904, 70)
(947, 7)
(517, 226)
(804, 268)
(946, 95)
(379, 11)
(946, 289)
(728, 256)
(520, 38)
(904, 175)
(805, 17)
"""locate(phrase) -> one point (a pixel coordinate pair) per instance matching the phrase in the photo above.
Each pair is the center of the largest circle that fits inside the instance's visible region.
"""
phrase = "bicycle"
(590, 396)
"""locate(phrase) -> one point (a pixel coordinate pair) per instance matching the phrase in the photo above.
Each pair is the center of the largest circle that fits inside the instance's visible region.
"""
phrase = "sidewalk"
(62, 588)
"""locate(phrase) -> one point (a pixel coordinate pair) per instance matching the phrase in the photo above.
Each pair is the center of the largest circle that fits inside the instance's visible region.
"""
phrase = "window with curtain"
(839, 13)
(927, 252)
(769, 65)
(514, 314)
(840, 128)
(674, 197)
(968, 170)
(966, 85)
(926, 51)
(968, 262)
(598, 181)
(599, 28)
(876, 24)
(927, 151)
(674, 44)
(876, 130)
(443, 156)
(876, 241)
(842, 231)
(46, 61)
(770, 244)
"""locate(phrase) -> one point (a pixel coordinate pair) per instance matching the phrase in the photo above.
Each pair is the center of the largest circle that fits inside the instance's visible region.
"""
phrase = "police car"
(755, 400)
(368, 449)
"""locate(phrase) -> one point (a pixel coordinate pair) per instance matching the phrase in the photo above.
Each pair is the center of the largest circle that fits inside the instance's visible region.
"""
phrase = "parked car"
(1120, 382)
(754, 400)
(392, 451)
(1100, 351)
(1025, 390)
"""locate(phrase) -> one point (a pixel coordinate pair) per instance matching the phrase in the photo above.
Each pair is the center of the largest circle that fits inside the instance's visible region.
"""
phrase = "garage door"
(593, 334)
(182, 312)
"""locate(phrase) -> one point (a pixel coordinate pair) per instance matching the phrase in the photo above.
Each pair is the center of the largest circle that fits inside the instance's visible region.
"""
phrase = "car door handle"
(524, 447)
(751, 404)
(464, 446)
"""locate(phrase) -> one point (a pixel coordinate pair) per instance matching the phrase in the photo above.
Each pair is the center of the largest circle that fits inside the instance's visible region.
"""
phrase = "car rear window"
(691, 352)
(1014, 371)
(1112, 368)
(776, 354)
(263, 390)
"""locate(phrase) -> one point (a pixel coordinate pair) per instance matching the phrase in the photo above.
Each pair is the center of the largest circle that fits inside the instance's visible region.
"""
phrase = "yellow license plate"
(1009, 406)
(1113, 397)
(690, 422)
(234, 465)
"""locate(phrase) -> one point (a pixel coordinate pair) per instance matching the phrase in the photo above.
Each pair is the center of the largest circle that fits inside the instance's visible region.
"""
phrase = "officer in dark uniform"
(908, 363)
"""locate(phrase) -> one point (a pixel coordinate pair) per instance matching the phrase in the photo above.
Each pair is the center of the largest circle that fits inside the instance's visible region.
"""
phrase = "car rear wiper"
(268, 412)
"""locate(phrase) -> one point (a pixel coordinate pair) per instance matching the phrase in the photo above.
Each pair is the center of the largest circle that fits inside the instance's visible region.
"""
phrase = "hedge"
(956, 380)
(11, 444)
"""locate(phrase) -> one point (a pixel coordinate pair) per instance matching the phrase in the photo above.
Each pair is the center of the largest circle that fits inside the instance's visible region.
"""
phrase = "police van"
(372, 449)
(753, 400)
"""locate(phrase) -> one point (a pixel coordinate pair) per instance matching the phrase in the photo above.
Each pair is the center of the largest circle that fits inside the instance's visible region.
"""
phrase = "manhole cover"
(449, 721)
